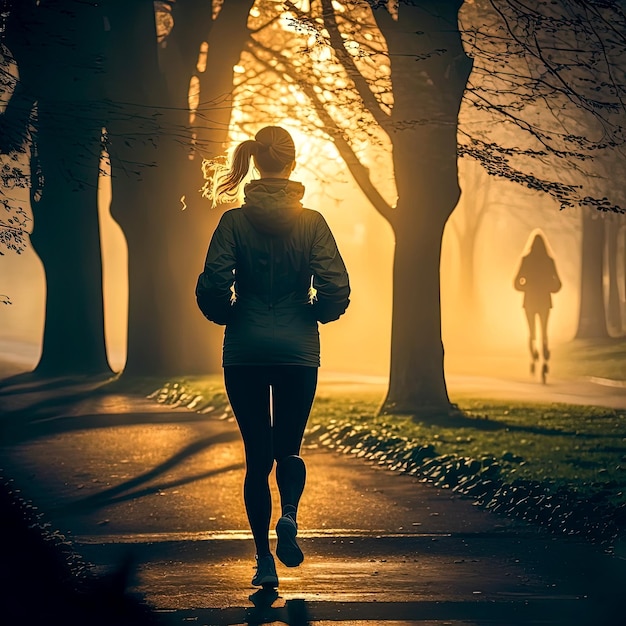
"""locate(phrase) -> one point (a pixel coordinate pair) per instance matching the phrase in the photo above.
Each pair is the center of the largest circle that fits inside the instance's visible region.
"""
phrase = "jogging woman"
(538, 279)
(272, 272)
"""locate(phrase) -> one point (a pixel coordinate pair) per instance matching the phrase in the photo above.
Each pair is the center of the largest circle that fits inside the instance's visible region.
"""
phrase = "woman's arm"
(331, 284)
(214, 293)
(555, 281)
(520, 282)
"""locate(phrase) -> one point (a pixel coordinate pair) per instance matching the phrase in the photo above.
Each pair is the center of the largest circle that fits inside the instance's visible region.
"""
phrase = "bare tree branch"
(357, 169)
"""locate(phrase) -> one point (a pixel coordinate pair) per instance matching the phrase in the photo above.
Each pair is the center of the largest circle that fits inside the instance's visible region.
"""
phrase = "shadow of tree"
(110, 496)
(53, 406)
(460, 419)
(106, 498)
(12, 433)
(32, 382)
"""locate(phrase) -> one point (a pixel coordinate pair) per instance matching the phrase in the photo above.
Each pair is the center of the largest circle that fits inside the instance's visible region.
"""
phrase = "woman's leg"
(249, 395)
(544, 316)
(543, 320)
(293, 391)
(530, 317)
(534, 355)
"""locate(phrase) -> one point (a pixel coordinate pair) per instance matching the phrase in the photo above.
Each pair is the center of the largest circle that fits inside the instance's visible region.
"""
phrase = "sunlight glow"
(303, 5)
(114, 273)
(202, 57)
(321, 53)
(353, 48)
(164, 21)
(193, 98)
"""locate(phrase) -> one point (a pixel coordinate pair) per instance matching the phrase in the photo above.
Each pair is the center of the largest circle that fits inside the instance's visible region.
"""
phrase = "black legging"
(268, 437)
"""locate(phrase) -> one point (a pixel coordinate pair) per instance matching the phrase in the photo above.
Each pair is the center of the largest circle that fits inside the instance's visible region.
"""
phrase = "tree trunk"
(158, 307)
(614, 314)
(148, 144)
(57, 47)
(227, 39)
(66, 236)
(429, 72)
(476, 202)
(167, 334)
(416, 382)
(592, 317)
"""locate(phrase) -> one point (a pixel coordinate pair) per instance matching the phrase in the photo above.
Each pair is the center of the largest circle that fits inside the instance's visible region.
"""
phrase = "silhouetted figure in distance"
(272, 272)
(538, 279)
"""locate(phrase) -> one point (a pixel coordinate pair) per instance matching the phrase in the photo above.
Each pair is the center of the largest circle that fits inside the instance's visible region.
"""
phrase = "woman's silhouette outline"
(538, 279)
(272, 272)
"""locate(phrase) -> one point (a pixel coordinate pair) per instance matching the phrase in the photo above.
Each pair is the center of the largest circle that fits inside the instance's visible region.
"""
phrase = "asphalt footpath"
(123, 477)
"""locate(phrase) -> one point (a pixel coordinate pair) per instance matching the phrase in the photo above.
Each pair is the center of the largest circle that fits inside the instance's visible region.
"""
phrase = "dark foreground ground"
(126, 480)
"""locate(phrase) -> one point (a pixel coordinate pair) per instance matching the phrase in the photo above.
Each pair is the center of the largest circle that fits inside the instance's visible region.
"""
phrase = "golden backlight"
(482, 322)
(359, 342)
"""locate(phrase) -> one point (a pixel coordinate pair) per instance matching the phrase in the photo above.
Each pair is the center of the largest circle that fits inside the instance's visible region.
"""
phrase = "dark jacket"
(538, 279)
(262, 261)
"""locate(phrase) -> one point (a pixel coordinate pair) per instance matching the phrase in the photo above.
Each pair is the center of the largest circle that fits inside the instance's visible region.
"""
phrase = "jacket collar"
(273, 204)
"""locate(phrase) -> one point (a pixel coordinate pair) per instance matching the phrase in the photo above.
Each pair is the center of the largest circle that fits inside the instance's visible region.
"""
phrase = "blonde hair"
(273, 150)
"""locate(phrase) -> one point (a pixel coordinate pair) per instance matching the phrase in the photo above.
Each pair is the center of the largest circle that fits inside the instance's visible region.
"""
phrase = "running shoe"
(265, 572)
(287, 549)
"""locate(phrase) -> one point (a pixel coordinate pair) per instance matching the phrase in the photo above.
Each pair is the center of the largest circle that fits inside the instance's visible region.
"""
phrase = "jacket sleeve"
(331, 284)
(214, 289)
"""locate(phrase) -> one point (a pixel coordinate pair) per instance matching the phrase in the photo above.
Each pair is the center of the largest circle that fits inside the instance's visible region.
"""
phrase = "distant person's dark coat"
(538, 279)
(257, 278)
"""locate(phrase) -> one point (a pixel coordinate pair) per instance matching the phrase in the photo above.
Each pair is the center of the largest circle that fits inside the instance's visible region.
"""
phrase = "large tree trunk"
(159, 307)
(416, 383)
(592, 317)
(148, 148)
(66, 236)
(227, 39)
(429, 74)
(167, 334)
(57, 46)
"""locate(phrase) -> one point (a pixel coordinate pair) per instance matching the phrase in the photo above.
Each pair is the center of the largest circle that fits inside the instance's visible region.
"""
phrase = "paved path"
(122, 475)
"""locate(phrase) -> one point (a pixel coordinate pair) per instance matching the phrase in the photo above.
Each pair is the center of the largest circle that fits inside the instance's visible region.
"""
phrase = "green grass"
(578, 447)
(583, 448)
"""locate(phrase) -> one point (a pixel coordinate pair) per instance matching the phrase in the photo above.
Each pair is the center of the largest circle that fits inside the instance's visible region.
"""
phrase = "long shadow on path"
(112, 495)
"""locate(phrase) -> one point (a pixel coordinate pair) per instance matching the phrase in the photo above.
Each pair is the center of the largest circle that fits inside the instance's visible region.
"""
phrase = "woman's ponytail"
(274, 150)
(222, 182)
